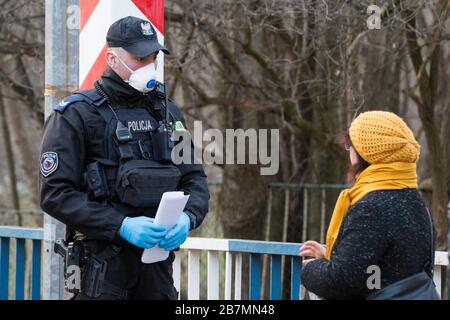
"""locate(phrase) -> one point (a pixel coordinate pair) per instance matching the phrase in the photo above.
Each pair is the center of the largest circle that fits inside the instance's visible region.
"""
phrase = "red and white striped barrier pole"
(95, 18)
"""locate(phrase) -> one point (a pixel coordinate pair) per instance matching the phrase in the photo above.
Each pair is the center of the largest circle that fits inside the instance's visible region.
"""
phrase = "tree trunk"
(27, 152)
(11, 163)
(427, 84)
(28, 127)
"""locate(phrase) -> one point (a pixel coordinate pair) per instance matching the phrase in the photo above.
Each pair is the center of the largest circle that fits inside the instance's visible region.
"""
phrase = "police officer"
(105, 164)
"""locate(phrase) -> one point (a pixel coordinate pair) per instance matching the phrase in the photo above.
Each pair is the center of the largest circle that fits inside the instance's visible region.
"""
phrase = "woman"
(381, 221)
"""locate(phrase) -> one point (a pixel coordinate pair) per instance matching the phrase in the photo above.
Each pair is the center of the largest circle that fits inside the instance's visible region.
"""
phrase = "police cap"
(135, 35)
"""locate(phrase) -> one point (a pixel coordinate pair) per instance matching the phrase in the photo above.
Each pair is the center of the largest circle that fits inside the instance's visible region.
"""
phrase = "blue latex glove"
(178, 234)
(142, 232)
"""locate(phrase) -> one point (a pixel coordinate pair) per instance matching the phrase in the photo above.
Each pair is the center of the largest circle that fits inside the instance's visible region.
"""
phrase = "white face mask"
(142, 79)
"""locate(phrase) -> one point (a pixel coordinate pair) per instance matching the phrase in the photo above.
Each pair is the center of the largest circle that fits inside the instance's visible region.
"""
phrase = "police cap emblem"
(146, 28)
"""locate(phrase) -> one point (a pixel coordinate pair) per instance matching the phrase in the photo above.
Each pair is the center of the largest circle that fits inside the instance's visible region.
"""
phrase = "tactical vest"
(129, 174)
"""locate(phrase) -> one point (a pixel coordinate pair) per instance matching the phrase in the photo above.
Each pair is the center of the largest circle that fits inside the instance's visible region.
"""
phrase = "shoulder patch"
(68, 101)
(49, 163)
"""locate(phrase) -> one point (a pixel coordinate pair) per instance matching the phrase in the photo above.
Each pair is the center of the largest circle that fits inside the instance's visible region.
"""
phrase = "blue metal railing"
(256, 251)
(275, 250)
(237, 250)
(20, 236)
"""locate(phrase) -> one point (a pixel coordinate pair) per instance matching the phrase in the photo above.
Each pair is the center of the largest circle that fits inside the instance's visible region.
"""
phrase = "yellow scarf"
(384, 176)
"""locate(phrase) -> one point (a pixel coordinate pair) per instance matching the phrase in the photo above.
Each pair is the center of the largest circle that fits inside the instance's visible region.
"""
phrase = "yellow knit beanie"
(383, 137)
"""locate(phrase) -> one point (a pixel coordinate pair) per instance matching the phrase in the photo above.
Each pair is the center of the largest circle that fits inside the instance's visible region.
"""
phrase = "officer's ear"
(111, 59)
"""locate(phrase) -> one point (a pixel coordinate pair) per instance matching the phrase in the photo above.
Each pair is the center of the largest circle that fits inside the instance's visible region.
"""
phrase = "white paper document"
(169, 210)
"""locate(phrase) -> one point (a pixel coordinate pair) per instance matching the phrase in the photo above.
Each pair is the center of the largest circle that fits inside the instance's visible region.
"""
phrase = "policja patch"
(49, 163)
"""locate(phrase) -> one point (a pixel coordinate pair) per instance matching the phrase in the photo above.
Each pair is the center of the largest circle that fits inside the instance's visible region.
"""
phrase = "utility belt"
(85, 269)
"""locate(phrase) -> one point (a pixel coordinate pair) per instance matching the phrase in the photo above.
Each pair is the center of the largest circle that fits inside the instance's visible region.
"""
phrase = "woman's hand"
(312, 249)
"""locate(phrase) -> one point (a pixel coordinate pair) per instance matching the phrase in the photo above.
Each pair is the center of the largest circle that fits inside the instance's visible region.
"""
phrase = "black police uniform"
(78, 136)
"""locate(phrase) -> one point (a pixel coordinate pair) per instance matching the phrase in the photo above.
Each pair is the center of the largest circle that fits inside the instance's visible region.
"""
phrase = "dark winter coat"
(389, 229)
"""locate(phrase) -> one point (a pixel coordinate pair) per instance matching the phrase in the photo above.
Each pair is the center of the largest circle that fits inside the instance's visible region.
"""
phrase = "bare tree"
(308, 67)
(21, 80)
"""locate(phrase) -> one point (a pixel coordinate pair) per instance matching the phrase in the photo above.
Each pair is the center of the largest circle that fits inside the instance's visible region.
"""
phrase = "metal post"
(267, 238)
(287, 205)
(305, 215)
(322, 216)
(286, 214)
(61, 78)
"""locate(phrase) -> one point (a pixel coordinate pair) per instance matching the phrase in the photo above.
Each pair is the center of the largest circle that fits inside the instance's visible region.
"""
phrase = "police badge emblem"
(49, 163)
(146, 28)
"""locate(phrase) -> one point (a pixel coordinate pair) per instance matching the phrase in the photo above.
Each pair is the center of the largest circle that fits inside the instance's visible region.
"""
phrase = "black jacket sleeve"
(360, 244)
(193, 181)
(61, 192)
